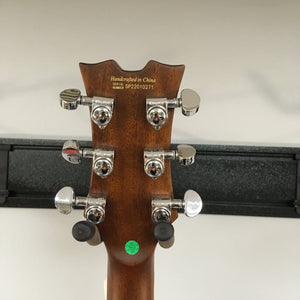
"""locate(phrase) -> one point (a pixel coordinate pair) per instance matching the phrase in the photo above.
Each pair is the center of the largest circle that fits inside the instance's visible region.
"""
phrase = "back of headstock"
(131, 184)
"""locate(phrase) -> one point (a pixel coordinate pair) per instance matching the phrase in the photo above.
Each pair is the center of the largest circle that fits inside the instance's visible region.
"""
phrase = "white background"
(243, 59)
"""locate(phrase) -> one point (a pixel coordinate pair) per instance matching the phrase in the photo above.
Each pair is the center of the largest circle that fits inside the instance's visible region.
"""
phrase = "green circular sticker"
(132, 247)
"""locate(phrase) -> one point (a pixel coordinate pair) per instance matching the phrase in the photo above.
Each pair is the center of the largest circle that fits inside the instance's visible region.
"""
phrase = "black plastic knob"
(163, 231)
(83, 231)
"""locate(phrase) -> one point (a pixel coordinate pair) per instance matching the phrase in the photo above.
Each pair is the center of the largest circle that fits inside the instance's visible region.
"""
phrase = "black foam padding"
(83, 231)
(240, 180)
(163, 231)
(4, 152)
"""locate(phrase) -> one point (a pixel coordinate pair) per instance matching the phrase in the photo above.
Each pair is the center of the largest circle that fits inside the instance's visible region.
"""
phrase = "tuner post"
(157, 108)
(164, 233)
(154, 165)
(94, 207)
(102, 107)
(84, 231)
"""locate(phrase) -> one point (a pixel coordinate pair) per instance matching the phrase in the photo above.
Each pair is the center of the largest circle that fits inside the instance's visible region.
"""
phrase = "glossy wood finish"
(129, 190)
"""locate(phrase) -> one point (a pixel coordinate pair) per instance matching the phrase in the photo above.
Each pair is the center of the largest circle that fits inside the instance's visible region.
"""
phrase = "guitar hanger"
(263, 181)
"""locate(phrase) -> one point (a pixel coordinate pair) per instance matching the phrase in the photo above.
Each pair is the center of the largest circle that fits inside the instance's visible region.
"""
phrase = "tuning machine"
(94, 207)
(102, 107)
(162, 207)
(154, 159)
(94, 212)
(103, 159)
(157, 108)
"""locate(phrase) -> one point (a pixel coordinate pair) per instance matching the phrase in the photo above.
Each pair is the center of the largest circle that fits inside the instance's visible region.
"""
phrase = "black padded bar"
(297, 201)
(4, 150)
(236, 180)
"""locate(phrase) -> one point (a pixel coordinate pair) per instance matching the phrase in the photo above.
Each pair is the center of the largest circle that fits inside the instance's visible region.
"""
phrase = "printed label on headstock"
(133, 83)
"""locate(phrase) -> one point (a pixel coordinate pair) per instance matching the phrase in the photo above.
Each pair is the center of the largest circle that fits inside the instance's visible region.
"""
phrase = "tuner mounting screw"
(102, 166)
(157, 115)
(95, 214)
(154, 168)
(101, 115)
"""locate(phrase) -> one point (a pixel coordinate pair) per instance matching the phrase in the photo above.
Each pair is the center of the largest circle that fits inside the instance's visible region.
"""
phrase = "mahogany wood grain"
(129, 190)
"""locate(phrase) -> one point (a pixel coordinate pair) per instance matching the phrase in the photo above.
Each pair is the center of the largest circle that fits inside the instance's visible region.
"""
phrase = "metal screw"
(102, 167)
(101, 116)
(95, 214)
(154, 168)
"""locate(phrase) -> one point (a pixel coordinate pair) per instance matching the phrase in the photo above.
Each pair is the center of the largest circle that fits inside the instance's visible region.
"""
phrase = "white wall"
(243, 59)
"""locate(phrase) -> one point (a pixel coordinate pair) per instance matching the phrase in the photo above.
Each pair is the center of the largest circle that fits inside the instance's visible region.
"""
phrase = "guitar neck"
(130, 281)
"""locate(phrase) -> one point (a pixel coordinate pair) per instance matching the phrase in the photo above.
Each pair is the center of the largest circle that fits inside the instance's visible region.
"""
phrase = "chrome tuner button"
(186, 154)
(190, 102)
(157, 108)
(70, 98)
(192, 203)
(64, 200)
(102, 107)
(71, 152)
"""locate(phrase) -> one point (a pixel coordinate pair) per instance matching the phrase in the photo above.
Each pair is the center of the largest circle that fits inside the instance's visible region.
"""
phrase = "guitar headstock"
(130, 197)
